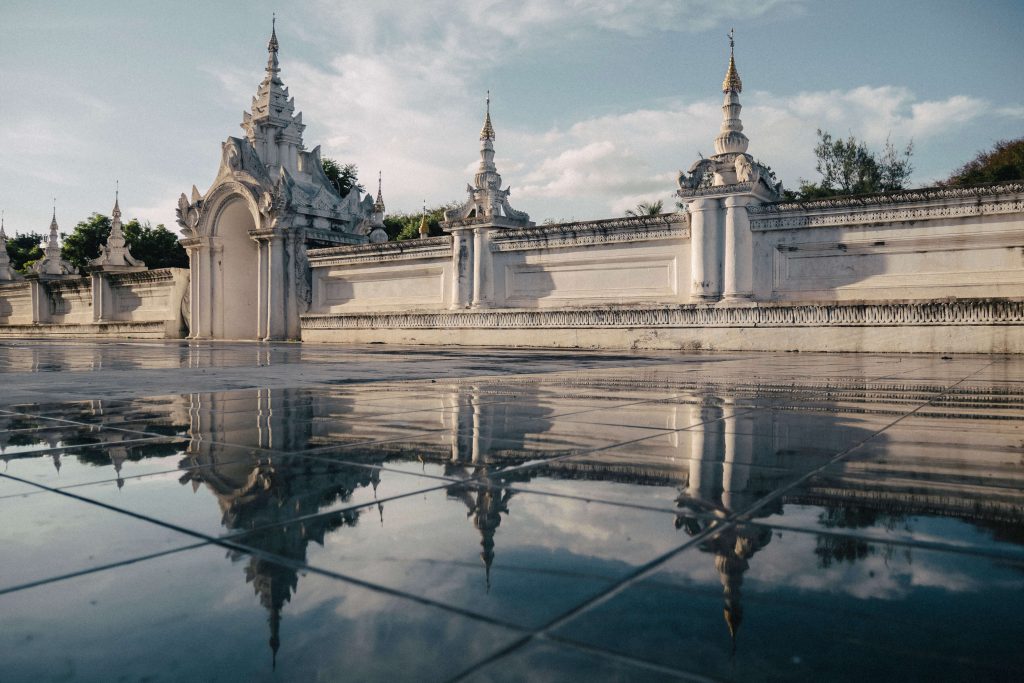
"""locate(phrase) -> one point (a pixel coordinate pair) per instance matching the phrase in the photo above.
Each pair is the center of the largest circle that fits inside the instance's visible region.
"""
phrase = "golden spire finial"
(732, 80)
(487, 132)
(424, 226)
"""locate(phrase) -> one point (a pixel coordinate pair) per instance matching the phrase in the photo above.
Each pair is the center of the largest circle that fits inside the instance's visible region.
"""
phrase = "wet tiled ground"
(220, 511)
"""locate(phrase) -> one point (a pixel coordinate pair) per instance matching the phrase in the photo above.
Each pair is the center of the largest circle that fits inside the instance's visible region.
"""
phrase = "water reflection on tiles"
(678, 523)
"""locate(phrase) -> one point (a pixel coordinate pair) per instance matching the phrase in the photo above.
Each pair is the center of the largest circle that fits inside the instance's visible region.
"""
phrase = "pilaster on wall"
(463, 258)
(738, 262)
(40, 302)
(483, 268)
(705, 249)
(274, 288)
(202, 257)
(101, 309)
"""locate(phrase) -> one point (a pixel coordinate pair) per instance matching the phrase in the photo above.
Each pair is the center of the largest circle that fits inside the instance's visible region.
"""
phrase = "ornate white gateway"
(247, 235)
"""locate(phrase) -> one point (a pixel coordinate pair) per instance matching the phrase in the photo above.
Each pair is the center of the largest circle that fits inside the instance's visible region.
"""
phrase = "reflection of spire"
(490, 503)
(275, 636)
(733, 547)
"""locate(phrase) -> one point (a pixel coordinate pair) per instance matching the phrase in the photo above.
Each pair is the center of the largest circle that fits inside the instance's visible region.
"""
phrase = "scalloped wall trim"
(960, 312)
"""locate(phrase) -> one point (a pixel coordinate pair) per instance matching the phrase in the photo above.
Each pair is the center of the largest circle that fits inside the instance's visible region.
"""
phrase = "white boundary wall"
(934, 270)
(145, 304)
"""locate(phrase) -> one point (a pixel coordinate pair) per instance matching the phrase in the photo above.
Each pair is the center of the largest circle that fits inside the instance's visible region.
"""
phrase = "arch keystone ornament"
(247, 235)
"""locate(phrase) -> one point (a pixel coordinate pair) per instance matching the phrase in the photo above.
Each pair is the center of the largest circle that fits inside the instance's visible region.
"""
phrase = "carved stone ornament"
(303, 277)
(188, 213)
(232, 155)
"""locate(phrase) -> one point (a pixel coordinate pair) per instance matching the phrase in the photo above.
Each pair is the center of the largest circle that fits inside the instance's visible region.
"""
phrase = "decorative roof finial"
(732, 80)
(273, 67)
(3, 235)
(424, 226)
(117, 199)
(378, 206)
(487, 132)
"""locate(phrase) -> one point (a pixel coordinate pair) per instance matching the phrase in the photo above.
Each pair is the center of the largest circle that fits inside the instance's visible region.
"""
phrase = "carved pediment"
(239, 156)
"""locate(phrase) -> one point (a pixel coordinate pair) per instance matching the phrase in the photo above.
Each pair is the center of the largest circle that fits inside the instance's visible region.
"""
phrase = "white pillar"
(481, 268)
(739, 283)
(262, 259)
(99, 297)
(40, 301)
(275, 288)
(705, 250)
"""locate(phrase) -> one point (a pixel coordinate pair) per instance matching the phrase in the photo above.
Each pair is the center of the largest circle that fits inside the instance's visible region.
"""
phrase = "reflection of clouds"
(887, 573)
(590, 529)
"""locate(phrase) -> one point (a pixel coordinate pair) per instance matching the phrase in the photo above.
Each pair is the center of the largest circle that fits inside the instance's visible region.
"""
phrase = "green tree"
(849, 167)
(646, 209)
(406, 226)
(157, 247)
(344, 177)
(1004, 162)
(83, 243)
(24, 250)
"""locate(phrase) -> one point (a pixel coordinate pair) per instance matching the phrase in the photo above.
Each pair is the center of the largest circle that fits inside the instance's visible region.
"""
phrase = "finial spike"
(272, 46)
(732, 80)
(487, 132)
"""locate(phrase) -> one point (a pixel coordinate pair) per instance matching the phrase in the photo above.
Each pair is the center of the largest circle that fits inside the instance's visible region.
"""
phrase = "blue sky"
(596, 104)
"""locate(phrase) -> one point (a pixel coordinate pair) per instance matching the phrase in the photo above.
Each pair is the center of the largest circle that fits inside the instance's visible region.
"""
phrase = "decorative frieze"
(432, 247)
(957, 312)
(586, 233)
(896, 207)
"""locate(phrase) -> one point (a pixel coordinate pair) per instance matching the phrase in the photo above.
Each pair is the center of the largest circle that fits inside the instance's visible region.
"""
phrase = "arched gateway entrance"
(235, 283)
(247, 236)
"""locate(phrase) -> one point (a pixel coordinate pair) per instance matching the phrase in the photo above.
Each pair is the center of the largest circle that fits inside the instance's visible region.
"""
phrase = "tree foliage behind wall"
(344, 177)
(1003, 163)
(24, 250)
(158, 247)
(406, 226)
(850, 167)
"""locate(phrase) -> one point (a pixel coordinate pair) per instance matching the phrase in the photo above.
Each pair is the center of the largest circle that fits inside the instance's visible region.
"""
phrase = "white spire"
(52, 264)
(731, 139)
(487, 176)
(486, 198)
(114, 254)
(272, 126)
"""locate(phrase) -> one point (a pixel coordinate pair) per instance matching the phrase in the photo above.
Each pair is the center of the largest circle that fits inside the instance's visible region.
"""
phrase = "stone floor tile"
(516, 557)
(766, 604)
(213, 615)
(46, 534)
